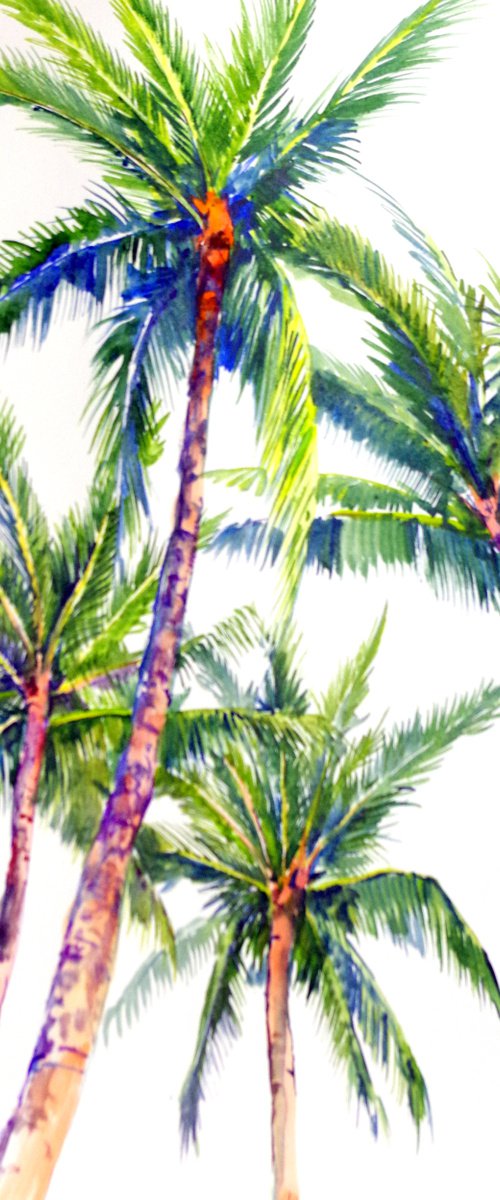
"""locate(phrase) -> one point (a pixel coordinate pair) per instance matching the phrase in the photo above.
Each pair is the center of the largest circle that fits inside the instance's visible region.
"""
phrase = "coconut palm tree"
(286, 847)
(428, 411)
(197, 159)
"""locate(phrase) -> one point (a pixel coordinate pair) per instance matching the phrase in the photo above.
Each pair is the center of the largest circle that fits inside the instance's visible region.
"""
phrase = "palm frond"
(341, 703)
(24, 534)
(179, 78)
(253, 84)
(414, 910)
(193, 944)
(336, 1015)
(144, 348)
(220, 1022)
(404, 760)
(83, 56)
(380, 1028)
(272, 352)
(388, 73)
(78, 258)
(90, 123)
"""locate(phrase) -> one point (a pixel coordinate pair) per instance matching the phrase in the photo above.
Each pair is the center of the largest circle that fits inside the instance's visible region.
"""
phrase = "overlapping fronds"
(86, 59)
(180, 81)
(337, 1015)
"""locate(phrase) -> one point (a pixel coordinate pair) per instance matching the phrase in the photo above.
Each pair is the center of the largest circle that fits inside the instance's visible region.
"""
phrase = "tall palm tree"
(428, 410)
(188, 152)
(285, 846)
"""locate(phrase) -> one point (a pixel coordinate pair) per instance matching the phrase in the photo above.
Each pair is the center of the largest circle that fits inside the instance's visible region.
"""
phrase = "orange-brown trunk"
(35, 1134)
(280, 1048)
(23, 812)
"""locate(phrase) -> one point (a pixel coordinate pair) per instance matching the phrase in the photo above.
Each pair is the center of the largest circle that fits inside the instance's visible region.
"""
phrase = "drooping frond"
(355, 401)
(380, 1028)
(193, 943)
(146, 909)
(414, 910)
(337, 1016)
(263, 335)
(79, 257)
(220, 1022)
(143, 350)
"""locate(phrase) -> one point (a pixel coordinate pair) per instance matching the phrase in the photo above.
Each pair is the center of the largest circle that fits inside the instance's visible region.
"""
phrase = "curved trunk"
(35, 1134)
(280, 1054)
(23, 809)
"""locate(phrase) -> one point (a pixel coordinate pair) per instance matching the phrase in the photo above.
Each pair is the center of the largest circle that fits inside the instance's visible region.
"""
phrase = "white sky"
(439, 159)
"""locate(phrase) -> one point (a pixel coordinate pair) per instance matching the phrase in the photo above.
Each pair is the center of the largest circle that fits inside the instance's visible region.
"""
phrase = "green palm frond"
(357, 402)
(340, 254)
(24, 534)
(83, 56)
(380, 1029)
(252, 85)
(180, 81)
(414, 910)
(286, 427)
(146, 909)
(72, 259)
(341, 703)
(403, 761)
(387, 73)
(127, 614)
(220, 1022)
(73, 113)
(335, 1014)
(193, 944)
(229, 638)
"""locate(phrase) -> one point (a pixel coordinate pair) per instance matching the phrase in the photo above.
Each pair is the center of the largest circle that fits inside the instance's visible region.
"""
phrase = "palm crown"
(170, 138)
(274, 830)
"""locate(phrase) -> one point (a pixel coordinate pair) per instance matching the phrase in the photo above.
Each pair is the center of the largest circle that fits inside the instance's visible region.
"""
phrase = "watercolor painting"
(249, 578)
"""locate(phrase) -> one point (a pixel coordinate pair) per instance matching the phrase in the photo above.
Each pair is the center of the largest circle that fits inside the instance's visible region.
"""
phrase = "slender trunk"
(23, 810)
(34, 1136)
(280, 1053)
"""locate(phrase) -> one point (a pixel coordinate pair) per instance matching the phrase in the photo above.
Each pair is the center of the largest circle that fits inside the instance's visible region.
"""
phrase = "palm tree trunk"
(23, 811)
(34, 1136)
(280, 1055)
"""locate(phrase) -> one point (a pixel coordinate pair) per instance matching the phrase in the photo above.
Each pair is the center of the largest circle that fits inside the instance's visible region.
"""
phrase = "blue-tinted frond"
(85, 253)
(143, 349)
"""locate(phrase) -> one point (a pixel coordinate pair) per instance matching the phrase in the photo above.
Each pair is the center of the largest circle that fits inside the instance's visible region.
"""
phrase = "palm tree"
(428, 411)
(188, 152)
(285, 846)
(64, 621)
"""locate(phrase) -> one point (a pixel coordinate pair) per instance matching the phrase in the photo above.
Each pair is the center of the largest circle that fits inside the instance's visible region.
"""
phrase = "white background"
(439, 158)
